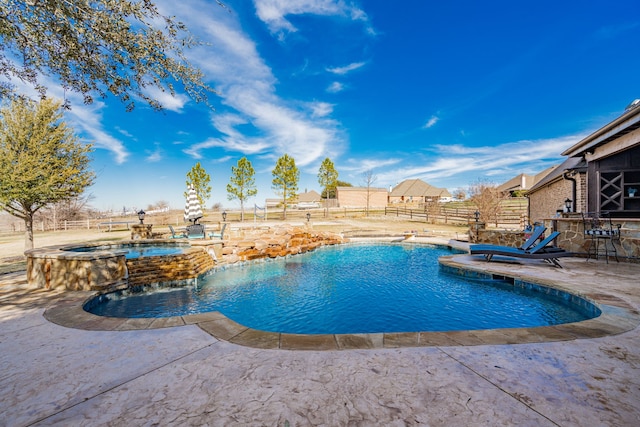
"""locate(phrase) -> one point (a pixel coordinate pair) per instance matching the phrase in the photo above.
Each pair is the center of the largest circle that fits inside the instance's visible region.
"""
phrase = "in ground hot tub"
(114, 265)
(135, 250)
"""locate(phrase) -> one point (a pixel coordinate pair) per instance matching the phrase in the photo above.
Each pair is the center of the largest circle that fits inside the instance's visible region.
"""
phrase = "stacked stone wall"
(572, 238)
(80, 272)
(502, 237)
(159, 269)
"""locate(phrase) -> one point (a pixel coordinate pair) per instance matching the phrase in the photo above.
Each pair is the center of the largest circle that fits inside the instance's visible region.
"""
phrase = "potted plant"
(632, 191)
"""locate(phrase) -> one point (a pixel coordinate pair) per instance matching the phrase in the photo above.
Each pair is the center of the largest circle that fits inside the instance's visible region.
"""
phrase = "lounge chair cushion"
(539, 251)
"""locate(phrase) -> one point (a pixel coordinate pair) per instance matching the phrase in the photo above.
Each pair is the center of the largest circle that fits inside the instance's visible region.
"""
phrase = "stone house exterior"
(599, 176)
(356, 197)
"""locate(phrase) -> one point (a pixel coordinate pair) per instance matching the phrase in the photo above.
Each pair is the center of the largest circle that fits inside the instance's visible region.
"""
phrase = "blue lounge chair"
(538, 231)
(539, 251)
(220, 235)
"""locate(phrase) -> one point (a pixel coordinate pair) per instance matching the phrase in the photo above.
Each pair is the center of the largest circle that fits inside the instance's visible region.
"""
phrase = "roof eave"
(627, 122)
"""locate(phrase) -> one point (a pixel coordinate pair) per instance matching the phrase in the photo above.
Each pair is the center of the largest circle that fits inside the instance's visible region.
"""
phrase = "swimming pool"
(352, 289)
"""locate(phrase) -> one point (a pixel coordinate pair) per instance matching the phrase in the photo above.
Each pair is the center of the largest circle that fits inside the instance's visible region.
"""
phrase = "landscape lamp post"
(141, 215)
(477, 215)
(308, 216)
(224, 216)
(567, 205)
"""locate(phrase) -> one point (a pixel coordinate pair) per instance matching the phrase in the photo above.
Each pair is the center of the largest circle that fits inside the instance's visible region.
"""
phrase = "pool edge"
(617, 317)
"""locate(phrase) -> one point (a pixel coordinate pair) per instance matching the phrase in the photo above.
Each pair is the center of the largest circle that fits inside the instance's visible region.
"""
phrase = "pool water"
(351, 289)
(135, 251)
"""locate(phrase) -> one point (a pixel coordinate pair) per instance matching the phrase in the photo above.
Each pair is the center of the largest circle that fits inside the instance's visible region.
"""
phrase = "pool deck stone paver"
(208, 370)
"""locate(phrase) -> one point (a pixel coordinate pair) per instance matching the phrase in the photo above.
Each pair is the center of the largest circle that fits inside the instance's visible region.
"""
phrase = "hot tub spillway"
(190, 264)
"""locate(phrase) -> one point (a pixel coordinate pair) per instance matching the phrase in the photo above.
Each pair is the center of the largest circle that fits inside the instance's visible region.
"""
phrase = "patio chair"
(536, 234)
(599, 227)
(542, 251)
(175, 235)
(195, 231)
(220, 235)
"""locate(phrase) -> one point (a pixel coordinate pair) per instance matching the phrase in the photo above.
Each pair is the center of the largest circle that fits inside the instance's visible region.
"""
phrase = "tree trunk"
(284, 204)
(241, 210)
(28, 231)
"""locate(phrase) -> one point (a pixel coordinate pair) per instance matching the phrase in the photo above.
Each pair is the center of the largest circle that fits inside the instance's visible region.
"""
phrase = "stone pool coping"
(617, 317)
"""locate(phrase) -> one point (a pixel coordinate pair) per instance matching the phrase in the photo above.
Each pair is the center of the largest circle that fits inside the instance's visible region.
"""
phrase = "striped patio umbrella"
(192, 209)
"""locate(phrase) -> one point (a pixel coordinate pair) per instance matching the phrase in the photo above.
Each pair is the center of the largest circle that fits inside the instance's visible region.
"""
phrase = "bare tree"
(487, 199)
(459, 194)
(369, 179)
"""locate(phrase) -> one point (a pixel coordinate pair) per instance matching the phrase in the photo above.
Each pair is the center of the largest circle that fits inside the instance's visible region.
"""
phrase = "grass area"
(12, 266)
(12, 244)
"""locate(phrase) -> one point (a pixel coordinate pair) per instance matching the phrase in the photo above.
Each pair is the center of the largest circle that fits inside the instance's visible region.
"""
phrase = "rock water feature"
(104, 267)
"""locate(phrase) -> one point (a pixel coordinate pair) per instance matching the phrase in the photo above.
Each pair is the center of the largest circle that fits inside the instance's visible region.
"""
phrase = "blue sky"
(446, 91)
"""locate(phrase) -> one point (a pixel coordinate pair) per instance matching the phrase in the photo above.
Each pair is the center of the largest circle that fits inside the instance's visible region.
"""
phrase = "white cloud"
(469, 163)
(84, 118)
(156, 155)
(88, 118)
(346, 68)
(274, 12)
(169, 102)
(124, 132)
(320, 109)
(335, 87)
(431, 122)
(357, 166)
(258, 121)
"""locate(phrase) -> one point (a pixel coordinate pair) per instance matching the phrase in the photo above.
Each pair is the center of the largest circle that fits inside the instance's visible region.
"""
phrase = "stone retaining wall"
(501, 237)
(572, 237)
(105, 271)
(274, 242)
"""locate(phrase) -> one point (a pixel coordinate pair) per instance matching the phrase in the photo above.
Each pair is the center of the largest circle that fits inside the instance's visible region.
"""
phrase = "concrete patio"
(156, 373)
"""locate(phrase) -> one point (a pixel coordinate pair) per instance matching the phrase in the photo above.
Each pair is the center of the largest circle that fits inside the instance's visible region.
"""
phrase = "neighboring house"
(417, 191)
(523, 181)
(356, 197)
(309, 197)
(308, 200)
(599, 175)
